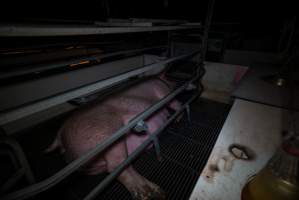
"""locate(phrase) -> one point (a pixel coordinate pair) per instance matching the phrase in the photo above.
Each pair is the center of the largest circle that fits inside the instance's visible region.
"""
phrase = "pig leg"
(56, 144)
(176, 105)
(139, 187)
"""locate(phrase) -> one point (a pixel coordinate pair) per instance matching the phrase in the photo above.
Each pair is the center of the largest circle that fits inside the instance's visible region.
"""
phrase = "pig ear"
(162, 75)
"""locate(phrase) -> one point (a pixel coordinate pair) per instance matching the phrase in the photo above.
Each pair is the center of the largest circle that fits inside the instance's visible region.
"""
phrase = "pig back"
(152, 89)
(87, 127)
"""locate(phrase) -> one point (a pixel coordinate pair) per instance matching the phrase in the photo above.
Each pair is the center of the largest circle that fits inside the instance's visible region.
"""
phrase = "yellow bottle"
(279, 179)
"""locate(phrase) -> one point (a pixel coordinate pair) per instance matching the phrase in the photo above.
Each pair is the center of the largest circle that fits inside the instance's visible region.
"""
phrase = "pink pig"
(95, 122)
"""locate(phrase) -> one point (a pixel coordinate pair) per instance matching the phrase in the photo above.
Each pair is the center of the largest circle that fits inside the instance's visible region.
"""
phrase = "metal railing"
(100, 187)
(60, 64)
(18, 113)
(76, 164)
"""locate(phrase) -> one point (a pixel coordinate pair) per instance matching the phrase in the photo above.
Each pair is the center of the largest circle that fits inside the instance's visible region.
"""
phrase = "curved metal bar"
(21, 158)
(12, 180)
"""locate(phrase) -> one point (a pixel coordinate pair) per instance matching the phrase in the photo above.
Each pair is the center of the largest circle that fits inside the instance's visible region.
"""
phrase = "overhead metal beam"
(33, 90)
(59, 64)
(207, 29)
(19, 30)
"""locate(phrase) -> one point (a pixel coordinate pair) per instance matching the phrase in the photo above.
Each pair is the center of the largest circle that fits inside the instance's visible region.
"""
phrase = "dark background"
(250, 12)
(252, 19)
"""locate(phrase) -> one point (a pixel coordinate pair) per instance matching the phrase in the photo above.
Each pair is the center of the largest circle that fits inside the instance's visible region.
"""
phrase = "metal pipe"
(26, 110)
(99, 188)
(156, 146)
(72, 61)
(19, 30)
(207, 29)
(76, 164)
(12, 181)
(20, 157)
(188, 114)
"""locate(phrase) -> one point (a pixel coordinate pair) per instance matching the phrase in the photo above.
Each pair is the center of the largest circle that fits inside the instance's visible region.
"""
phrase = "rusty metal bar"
(60, 64)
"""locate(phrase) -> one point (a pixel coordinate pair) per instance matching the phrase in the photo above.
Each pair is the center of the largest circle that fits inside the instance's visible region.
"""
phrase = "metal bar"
(34, 56)
(72, 61)
(207, 29)
(18, 113)
(158, 20)
(124, 24)
(20, 156)
(12, 180)
(29, 92)
(76, 164)
(71, 30)
(156, 146)
(9, 153)
(99, 188)
(188, 114)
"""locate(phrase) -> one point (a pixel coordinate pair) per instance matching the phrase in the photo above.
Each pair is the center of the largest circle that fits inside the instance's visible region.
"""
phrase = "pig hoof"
(151, 192)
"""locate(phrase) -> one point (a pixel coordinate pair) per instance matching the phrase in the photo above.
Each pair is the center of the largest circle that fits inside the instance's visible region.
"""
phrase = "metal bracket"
(140, 127)
(191, 86)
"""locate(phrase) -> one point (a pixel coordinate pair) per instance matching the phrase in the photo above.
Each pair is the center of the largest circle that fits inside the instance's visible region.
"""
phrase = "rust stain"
(241, 152)
(222, 161)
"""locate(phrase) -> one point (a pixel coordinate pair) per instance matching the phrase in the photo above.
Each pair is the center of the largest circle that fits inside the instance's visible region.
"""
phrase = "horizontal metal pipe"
(12, 115)
(71, 30)
(72, 61)
(35, 56)
(76, 164)
(99, 188)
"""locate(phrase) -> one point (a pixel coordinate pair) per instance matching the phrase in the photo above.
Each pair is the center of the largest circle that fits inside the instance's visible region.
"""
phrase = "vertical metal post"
(19, 160)
(169, 45)
(188, 113)
(107, 8)
(207, 29)
(156, 146)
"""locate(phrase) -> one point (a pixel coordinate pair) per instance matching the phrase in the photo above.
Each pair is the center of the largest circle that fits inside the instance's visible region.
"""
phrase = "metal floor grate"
(185, 149)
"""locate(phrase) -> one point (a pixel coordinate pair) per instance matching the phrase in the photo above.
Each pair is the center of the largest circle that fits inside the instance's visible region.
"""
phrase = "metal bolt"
(140, 127)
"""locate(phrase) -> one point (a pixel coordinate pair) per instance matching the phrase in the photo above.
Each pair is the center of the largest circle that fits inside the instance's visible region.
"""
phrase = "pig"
(95, 122)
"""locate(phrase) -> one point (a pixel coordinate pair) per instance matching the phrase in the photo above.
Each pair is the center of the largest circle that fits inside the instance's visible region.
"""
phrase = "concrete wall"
(248, 58)
(221, 79)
